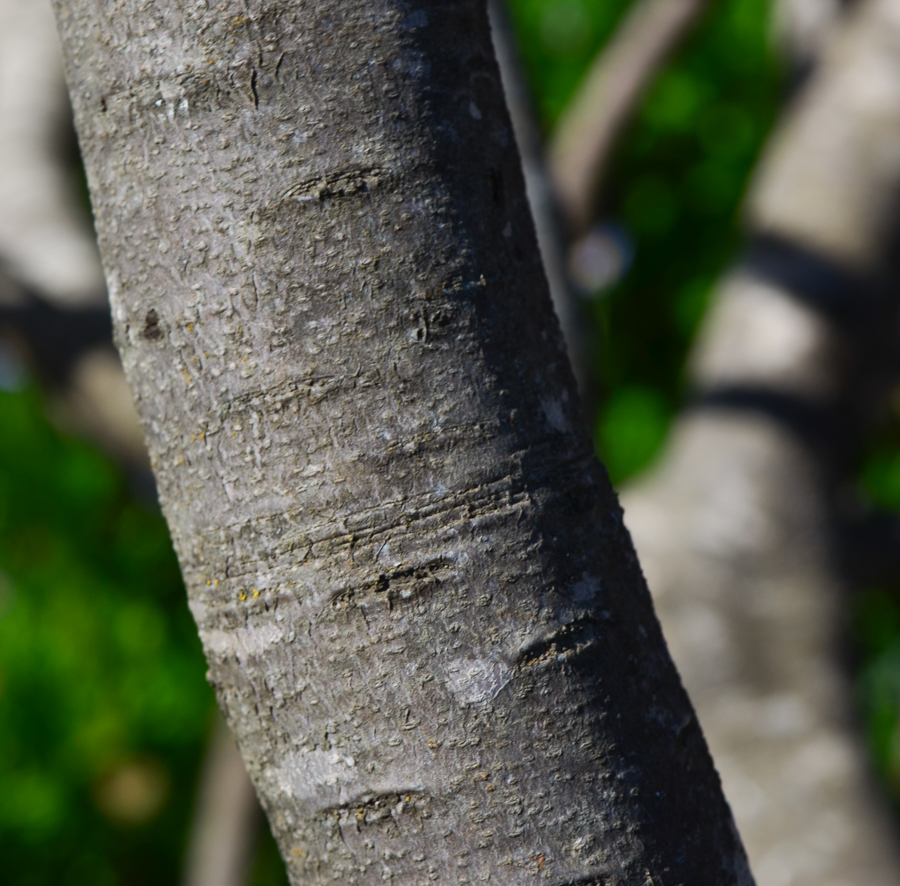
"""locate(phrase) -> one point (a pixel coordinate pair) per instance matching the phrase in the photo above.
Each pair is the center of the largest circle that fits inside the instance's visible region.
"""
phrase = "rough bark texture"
(422, 615)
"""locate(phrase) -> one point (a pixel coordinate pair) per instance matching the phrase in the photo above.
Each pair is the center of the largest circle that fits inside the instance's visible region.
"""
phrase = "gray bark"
(422, 615)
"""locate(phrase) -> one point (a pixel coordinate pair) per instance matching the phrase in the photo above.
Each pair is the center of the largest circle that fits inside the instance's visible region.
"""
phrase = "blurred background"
(106, 719)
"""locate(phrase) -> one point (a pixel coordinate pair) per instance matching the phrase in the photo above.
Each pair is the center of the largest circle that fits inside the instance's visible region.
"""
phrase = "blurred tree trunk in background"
(422, 615)
(732, 526)
(226, 820)
(46, 239)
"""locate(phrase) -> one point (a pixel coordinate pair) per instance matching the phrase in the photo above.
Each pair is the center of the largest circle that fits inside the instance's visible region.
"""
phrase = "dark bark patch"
(405, 583)
(152, 332)
(253, 87)
(496, 178)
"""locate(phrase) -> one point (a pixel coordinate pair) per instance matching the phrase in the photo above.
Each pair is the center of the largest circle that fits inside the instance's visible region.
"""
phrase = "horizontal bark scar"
(590, 880)
(403, 583)
(563, 643)
(375, 809)
(335, 184)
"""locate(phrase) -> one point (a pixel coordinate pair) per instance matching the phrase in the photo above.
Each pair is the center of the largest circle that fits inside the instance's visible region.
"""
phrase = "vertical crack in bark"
(253, 89)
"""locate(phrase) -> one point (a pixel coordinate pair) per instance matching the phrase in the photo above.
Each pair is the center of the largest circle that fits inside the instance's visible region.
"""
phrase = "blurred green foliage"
(881, 472)
(104, 709)
(103, 701)
(877, 630)
(675, 187)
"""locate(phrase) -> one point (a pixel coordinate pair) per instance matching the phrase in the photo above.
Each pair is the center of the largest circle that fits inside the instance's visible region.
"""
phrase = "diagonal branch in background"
(227, 819)
(588, 131)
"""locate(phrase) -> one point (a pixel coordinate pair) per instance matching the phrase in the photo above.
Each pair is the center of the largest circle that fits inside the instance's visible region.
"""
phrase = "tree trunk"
(422, 615)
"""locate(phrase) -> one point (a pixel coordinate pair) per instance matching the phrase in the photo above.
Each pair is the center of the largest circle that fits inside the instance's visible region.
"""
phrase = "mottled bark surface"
(422, 614)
